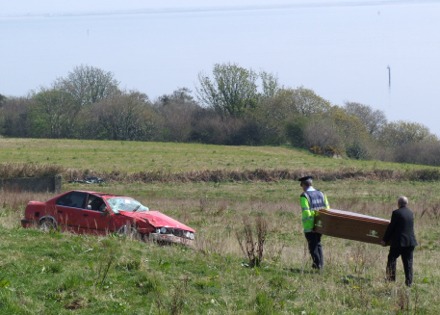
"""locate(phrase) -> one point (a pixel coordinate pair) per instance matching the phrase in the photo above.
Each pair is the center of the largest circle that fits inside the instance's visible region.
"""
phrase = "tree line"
(230, 106)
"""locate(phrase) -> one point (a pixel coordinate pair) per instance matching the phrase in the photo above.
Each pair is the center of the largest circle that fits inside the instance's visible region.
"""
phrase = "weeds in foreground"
(104, 268)
(264, 304)
(178, 297)
(406, 300)
(177, 300)
(432, 212)
(253, 249)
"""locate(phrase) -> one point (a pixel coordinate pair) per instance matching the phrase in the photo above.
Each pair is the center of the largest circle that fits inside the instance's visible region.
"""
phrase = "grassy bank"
(133, 157)
(170, 162)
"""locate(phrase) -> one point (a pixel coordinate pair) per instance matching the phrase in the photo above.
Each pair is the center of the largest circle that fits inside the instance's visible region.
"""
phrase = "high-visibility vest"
(311, 201)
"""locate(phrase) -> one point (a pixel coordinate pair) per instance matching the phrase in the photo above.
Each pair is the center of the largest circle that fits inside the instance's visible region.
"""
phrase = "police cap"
(304, 178)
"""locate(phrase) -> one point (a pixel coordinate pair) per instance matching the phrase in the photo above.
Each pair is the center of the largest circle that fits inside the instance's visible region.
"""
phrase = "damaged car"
(88, 212)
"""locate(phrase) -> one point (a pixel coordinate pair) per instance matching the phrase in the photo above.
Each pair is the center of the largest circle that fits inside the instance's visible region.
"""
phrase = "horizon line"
(221, 9)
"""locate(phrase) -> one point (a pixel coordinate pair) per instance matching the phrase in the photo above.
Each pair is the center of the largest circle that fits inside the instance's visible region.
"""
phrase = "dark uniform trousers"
(315, 249)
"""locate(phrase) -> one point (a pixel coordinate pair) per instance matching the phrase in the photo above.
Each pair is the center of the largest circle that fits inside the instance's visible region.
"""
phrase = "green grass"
(53, 273)
(132, 157)
(62, 273)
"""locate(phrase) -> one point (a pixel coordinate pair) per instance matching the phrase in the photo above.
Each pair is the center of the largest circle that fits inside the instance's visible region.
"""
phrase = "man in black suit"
(401, 238)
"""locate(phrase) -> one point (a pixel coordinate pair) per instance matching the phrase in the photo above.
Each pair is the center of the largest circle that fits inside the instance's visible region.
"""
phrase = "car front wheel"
(47, 225)
(130, 231)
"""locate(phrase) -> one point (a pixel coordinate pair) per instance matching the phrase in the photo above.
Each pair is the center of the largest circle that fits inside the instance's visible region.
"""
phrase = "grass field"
(131, 157)
(61, 273)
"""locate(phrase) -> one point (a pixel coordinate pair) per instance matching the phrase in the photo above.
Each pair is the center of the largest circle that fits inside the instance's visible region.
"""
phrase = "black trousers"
(315, 249)
(407, 260)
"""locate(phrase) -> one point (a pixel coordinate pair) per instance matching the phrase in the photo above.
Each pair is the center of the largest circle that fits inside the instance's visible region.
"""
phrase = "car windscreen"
(126, 204)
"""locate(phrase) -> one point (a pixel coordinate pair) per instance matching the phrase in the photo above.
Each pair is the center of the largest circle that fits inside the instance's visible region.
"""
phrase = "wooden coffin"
(351, 226)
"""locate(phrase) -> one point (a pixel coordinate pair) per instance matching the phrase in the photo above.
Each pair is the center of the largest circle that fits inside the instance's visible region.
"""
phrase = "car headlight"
(189, 235)
(163, 230)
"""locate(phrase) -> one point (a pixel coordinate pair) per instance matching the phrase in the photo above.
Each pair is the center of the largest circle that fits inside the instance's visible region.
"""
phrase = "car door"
(82, 212)
(69, 210)
(95, 218)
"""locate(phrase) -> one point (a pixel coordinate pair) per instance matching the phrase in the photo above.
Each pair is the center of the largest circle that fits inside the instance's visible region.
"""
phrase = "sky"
(384, 54)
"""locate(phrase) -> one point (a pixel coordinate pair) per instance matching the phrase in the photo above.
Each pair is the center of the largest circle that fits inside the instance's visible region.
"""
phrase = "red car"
(99, 213)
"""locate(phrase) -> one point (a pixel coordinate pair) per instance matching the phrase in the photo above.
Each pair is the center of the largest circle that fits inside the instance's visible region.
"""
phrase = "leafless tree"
(176, 111)
(125, 116)
(88, 84)
(373, 120)
(401, 133)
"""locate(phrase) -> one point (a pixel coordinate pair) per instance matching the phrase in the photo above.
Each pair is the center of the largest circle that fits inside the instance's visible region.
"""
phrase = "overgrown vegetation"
(61, 273)
(57, 273)
(252, 240)
(14, 170)
(232, 106)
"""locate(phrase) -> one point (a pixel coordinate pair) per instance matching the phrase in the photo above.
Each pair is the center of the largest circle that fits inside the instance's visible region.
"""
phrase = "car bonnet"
(157, 219)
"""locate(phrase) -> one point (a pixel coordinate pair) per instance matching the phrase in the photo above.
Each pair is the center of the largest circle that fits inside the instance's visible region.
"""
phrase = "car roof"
(101, 194)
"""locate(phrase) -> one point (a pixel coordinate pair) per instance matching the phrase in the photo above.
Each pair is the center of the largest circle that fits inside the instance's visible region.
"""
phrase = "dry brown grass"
(13, 204)
(259, 175)
(14, 170)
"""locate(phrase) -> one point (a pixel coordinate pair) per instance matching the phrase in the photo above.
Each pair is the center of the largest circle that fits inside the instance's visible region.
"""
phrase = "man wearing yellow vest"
(311, 201)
